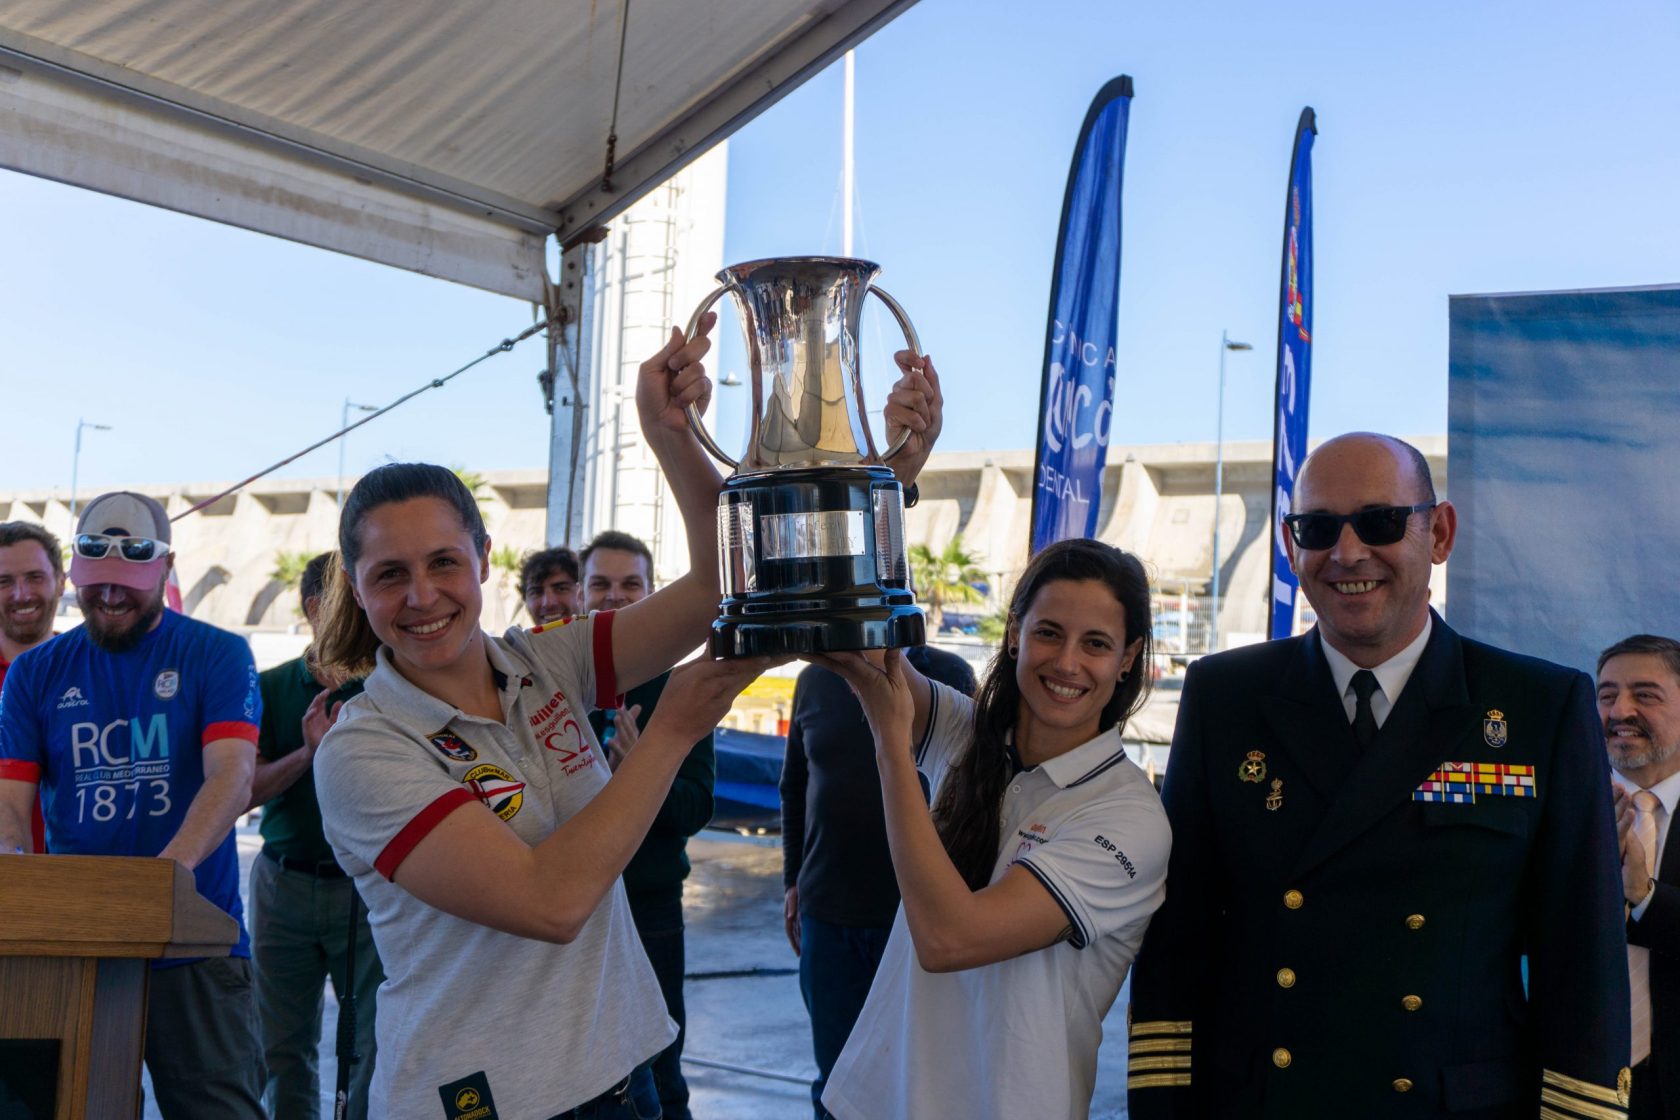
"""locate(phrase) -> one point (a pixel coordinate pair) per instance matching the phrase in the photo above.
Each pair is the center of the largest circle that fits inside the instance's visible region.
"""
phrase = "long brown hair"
(968, 810)
(344, 640)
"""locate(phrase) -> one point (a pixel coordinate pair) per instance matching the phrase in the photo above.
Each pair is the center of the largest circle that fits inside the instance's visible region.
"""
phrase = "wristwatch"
(912, 495)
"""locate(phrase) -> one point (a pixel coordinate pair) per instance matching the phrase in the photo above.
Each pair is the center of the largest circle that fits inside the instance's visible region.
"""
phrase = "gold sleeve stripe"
(1161, 1026)
(1159, 1046)
(1553, 1114)
(1576, 1109)
(1581, 1088)
(1164, 1061)
(1159, 1081)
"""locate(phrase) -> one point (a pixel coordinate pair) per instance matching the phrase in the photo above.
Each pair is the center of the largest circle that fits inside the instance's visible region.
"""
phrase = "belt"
(616, 1098)
(326, 869)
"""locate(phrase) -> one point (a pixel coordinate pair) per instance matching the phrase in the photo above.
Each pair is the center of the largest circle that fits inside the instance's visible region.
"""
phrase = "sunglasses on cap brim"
(1383, 525)
(136, 550)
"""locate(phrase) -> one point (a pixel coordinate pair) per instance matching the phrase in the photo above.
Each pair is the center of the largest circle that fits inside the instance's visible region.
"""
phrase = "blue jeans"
(659, 923)
(836, 966)
(634, 1099)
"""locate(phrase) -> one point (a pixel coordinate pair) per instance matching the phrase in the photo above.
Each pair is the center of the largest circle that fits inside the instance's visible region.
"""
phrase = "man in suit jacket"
(1373, 825)
(1639, 701)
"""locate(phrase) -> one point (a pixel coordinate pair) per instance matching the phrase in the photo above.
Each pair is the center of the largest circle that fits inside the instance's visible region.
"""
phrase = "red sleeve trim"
(418, 829)
(606, 679)
(231, 729)
(19, 770)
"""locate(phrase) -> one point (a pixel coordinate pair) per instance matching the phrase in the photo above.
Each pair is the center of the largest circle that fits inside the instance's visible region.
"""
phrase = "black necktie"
(1364, 720)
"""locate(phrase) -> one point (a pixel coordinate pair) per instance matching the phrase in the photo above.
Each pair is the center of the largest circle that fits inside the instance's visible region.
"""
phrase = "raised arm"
(474, 866)
(652, 635)
(951, 926)
(917, 403)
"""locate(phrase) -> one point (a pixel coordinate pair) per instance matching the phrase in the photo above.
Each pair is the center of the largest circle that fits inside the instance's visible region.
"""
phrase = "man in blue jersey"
(139, 731)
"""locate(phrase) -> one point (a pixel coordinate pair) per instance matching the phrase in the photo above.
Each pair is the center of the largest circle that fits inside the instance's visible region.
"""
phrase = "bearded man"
(138, 732)
(1639, 701)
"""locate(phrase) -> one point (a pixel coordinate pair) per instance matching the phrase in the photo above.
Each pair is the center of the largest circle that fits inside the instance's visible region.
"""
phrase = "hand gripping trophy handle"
(698, 425)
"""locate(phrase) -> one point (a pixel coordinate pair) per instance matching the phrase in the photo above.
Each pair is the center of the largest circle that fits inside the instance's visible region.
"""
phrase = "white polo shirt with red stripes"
(526, 1028)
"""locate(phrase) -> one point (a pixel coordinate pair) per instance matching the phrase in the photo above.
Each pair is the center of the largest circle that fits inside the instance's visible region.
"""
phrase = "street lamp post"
(1225, 344)
(76, 463)
(344, 422)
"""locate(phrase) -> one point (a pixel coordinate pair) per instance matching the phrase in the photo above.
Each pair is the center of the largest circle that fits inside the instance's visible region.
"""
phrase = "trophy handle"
(915, 348)
(694, 422)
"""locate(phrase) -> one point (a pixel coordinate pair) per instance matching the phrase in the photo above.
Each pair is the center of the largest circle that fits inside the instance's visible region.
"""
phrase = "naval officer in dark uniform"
(1373, 825)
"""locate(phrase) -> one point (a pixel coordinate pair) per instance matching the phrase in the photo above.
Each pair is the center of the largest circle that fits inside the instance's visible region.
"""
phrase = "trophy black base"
(831, 632)
(814, 562)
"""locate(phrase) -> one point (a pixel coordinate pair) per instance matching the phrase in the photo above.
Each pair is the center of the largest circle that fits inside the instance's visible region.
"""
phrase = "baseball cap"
(121, 513)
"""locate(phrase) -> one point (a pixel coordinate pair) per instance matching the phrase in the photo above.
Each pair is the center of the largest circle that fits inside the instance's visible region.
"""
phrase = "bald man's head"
(1369, 588)
(1414, 462)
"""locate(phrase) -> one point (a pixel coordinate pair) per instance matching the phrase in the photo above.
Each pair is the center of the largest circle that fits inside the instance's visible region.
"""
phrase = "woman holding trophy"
(465, 793)
(1028, 887)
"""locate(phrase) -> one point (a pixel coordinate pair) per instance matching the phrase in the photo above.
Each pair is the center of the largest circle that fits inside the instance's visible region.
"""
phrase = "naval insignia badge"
(1253, 768)
(1274, 800)
(1494, 729)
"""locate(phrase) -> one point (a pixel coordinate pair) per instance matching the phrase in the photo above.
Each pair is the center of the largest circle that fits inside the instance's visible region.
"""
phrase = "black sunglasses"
(137, 550)
(1385, 525)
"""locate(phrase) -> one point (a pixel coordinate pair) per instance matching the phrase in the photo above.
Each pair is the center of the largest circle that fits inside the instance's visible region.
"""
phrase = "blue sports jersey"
(116, 740)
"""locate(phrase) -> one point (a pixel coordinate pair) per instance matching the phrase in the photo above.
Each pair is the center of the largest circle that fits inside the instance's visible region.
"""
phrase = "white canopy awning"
(449, 137)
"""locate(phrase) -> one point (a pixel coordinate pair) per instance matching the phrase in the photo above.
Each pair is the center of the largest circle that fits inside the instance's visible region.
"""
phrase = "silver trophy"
(811, 522)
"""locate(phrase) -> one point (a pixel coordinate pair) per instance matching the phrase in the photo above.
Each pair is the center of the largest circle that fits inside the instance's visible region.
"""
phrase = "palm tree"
(948, 576)
(505, 561)
(286, 573)
(472, 480)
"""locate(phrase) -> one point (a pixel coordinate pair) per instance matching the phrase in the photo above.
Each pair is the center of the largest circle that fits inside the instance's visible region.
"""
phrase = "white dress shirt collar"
(1391, 675)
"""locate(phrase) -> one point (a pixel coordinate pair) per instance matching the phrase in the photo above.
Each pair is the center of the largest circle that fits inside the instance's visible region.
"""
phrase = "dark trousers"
(836, 966)
(1646, 1103)
(634, 1099)
(659, 922)
(202, 1048)
(300, 927)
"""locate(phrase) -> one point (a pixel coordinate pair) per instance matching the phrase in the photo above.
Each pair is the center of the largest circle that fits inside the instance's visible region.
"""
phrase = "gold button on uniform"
(1402, 1085)
(1415, 922)
(1412, 1003)
(1286, 977)
(1281, 1058)
(1293, 899)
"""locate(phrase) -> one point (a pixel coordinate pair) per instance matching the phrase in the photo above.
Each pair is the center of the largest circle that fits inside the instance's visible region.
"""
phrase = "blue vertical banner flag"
(1294, 367)
(1076, 398)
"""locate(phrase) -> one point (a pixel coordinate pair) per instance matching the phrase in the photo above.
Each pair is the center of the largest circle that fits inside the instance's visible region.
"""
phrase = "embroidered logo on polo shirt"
(1031, 836)
(168, 683)
(496, 788)
(453, 746)
(468, 1098)
(556, 729)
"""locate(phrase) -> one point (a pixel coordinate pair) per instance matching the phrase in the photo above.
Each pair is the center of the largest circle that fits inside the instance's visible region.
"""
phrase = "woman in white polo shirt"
(1028, 886)
(468, 798)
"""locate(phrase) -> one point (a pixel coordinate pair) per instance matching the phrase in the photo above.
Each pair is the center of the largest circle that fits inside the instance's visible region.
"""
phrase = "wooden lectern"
(76, 935)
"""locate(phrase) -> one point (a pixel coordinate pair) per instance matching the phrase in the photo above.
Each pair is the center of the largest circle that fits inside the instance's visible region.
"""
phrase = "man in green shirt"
(618, 571)
(300, 899)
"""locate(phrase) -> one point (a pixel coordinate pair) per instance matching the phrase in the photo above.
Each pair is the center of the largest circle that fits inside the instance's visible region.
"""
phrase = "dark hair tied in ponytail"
(968, 811)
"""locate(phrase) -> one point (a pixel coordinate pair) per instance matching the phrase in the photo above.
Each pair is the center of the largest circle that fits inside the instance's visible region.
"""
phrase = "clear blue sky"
(1463, 148)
